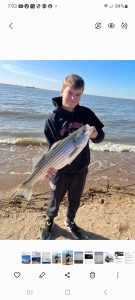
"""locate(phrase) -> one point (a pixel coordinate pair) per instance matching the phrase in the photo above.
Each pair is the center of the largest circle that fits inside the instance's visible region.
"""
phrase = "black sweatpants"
(71, 183)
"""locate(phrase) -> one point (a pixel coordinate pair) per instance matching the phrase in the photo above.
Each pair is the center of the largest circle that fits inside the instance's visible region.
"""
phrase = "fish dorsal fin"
(37, 161)
(55, 144)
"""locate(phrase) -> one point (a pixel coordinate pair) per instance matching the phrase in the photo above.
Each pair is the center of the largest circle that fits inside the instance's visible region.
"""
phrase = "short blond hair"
(74, 81)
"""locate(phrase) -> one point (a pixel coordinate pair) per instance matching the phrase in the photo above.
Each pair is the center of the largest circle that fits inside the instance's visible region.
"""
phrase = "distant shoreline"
(99, 96)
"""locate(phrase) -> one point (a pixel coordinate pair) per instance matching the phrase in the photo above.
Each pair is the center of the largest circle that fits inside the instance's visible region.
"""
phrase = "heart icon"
(17, 274)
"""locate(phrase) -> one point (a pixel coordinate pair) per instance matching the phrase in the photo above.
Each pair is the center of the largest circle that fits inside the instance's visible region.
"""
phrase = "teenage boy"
(67, 117)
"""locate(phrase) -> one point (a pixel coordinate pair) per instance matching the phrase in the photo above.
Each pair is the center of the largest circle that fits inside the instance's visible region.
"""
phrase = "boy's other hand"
(51, 172)
(94, 133)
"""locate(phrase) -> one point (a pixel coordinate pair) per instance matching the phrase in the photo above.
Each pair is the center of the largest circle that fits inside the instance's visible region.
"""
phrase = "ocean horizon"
(24, 109)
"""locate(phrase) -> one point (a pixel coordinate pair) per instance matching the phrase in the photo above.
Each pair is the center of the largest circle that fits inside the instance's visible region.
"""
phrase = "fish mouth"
(86, 128)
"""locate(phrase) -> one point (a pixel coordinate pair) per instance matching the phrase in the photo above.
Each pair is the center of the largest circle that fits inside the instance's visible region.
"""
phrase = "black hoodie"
(63, 122)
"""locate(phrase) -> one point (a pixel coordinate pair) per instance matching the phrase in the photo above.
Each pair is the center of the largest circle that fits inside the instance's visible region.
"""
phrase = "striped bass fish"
(60, 154)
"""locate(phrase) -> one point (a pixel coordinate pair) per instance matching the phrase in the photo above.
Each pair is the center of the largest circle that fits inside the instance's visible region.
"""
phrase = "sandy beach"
(107, 208)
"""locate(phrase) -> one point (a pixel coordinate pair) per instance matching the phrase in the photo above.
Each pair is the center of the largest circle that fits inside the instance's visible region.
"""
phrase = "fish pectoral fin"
(73, 155)
(74, 152)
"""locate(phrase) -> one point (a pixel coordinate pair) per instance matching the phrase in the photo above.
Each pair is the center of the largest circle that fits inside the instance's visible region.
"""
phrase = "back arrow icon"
(10, 25)
(105, 292)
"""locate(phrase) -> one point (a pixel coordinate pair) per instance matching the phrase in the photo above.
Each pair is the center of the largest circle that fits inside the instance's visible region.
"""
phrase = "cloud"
(20, 71)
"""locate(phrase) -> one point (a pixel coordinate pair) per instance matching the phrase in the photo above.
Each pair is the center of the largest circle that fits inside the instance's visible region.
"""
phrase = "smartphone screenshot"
(67, 149)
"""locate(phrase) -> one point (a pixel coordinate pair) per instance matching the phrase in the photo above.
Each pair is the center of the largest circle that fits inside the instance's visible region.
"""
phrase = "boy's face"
(71, 97)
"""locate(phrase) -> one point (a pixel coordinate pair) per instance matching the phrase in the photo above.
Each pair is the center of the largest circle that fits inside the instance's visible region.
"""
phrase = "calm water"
(23, 111)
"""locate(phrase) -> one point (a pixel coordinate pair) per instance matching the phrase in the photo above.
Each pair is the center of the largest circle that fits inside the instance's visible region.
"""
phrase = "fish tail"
(23, 190)
(27, 192)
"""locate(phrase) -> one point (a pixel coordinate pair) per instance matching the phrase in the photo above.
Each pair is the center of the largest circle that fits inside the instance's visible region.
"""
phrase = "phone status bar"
(32, 5)
(122, 5)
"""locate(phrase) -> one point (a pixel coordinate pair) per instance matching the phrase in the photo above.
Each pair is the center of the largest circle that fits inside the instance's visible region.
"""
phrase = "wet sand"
(107, 208)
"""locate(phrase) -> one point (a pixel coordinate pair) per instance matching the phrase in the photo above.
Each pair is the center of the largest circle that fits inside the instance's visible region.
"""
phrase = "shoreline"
(107, 208)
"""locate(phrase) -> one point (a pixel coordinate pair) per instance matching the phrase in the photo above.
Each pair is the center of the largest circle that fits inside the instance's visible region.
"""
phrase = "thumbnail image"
(130, 257)
(56, 257)
(46, 257)
(26, 258)
(78, 257)
(88, 257)
(36, 257)
(109, 257)
(119, 257)
(98, 257)
(67, 257)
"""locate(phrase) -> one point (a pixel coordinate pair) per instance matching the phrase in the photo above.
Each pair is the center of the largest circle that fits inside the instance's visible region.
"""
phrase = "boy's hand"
(51, 172)
(94, 132)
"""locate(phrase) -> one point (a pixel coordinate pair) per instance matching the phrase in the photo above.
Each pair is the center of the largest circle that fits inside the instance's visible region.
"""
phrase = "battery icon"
(20, 5)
